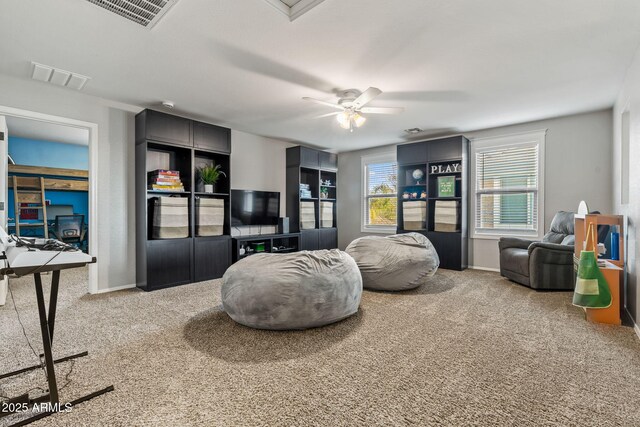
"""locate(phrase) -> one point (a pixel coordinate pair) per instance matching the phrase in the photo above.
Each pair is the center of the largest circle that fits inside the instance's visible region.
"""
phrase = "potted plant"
(209, 175)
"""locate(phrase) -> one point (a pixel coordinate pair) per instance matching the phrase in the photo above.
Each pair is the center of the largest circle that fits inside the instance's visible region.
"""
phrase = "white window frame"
(388, 157)
(479, 145)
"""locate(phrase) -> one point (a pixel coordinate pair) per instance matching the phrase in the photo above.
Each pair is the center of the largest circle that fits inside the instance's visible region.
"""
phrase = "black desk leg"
(53, 300)
(46, 341)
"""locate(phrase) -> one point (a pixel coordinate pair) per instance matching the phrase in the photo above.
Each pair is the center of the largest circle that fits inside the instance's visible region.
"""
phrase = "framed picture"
(446, 186)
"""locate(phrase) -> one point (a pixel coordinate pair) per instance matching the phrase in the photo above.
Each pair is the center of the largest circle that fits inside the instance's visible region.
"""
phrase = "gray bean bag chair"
(394, 263)
(292, 291)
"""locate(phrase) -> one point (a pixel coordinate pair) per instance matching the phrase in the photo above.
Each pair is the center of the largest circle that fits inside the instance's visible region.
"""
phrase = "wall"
(30, 152)
(349, 206)
(577, 166)
(258, 163)
(629, 101)
(116, 245)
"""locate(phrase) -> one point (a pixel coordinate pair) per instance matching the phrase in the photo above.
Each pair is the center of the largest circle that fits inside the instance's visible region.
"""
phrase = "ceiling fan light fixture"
(358, 119)
(344, 118)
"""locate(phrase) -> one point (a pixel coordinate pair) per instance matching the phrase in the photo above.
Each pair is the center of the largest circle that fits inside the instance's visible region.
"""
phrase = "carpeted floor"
(470, 348)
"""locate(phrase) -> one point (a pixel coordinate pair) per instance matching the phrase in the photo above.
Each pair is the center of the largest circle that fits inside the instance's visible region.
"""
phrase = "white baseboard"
(637, 329)
(495, 270)
(117, 288)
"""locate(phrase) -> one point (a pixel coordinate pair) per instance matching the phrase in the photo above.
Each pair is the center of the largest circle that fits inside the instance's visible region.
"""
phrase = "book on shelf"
(164, 180)
(164, 172)
(172, 188)
(446, 186)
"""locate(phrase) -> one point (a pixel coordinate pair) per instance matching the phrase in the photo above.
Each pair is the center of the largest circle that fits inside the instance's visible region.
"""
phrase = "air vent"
(144, 12)
(56, 76)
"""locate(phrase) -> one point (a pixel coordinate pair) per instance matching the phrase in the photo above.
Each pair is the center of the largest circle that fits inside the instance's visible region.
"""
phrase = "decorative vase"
(208, 188)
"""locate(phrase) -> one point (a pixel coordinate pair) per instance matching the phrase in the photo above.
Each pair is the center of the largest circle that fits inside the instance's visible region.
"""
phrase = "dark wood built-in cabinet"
(164, 141)
(312, 168)
(447, 158)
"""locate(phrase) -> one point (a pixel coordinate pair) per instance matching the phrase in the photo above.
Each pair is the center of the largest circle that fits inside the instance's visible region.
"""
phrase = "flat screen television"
(250, 207)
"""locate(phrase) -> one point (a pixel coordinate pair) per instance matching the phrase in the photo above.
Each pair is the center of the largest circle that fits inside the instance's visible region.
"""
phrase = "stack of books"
(165, 180)
(305, 191)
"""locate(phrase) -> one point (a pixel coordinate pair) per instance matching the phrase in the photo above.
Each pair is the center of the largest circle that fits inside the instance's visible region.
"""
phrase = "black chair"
(70, 229)
(545, 265)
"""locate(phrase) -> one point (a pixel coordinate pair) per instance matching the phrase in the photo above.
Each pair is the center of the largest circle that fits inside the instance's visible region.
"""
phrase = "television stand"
(264, 243)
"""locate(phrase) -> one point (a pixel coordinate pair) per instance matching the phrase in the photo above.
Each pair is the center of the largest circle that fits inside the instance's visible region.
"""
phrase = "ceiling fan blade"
(328, 104)
(328, 115)
(381, 110)
(366, 97)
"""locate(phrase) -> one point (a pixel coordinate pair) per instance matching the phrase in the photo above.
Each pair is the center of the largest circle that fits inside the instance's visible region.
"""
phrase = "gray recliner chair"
(545, 265)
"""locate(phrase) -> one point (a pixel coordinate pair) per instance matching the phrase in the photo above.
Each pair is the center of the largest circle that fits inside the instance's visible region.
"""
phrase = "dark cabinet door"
(212, 257)
(408, 154)
(449, 248)
(211, 137)
(445, 149)
(309, 157)
(328, 238)
(309, 240)
(328, 160)
(168, 262)
(167, 128)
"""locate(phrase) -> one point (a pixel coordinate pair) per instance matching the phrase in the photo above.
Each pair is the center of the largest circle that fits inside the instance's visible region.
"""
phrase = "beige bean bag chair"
(394, 263)
(292, 291)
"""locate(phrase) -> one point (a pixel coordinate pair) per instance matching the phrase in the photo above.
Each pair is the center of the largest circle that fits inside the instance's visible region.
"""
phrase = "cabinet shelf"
(169, 142)
(202, 193)
(167, 192)
(433, 157)
(313, 168)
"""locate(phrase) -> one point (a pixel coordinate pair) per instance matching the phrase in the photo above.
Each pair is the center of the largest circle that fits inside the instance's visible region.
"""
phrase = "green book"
(446, 186)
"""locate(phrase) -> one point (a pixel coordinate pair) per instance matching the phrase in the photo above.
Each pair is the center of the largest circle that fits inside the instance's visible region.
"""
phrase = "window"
(380, 193)
(508, 185)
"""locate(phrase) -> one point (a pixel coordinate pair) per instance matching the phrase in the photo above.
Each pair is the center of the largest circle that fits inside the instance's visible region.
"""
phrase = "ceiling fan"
(352, 105)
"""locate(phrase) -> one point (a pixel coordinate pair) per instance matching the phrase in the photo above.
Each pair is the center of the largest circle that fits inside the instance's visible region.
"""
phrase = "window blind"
(380, 198)
(507, 188)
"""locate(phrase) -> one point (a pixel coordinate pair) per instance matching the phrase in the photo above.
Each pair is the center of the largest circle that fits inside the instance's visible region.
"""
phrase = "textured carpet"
(470, 348)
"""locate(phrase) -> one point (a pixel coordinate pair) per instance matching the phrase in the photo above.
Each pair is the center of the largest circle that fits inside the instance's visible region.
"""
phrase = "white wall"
(629, 100)
(577, 166)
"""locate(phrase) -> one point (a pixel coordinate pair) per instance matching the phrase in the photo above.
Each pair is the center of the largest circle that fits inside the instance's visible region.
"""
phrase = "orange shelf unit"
(613, 270)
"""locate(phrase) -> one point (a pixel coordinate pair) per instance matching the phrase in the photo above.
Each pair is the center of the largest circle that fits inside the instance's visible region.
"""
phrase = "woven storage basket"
(170, 218)
(307, 215)
(446, 216)
(414, 215)
(209, 217)
(326, 214)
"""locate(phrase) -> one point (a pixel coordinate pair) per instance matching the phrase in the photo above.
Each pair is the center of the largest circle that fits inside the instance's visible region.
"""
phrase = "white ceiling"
(454, 65)
(45, 131)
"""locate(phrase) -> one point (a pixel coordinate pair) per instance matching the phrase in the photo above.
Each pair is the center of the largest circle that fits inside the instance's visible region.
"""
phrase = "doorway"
(64, 152)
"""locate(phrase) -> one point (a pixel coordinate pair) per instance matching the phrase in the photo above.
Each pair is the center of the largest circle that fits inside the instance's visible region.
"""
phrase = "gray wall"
(257, 163)
(577, 166)
(350, 193)
(629, 100)
(116, 242)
